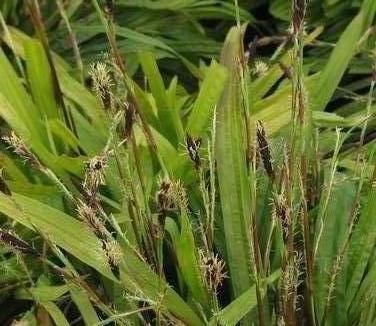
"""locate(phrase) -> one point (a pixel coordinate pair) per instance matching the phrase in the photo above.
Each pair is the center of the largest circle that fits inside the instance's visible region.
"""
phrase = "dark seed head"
(130, 118)
(264, 150)
(193, 146)
(281, 212)
(286, 70)
(109, 7)
(164, 198)
(299, 8)
(252, 48)
(16, 243)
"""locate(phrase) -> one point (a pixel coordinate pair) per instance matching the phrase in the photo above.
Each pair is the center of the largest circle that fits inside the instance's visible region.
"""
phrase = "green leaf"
(232, 167)
(169, 118)
(40, 79)
(340, 58)
(187, 255)
(210, 91)
(76, 92)
(68, 233)
(22, 112)
(84, 305)
(56, 314)
(137, 277)
(237, 309)
(333, 232)
(42, 293)
(361, 245)
(59, 129)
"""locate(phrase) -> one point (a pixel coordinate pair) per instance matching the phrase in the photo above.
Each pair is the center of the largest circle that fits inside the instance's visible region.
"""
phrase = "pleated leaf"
(234, 186)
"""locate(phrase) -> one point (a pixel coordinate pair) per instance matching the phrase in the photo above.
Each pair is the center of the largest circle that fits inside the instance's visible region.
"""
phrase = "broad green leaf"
(76, 92)
(59, 129)
(11, 116)
(232, 167)
(187, 255)
(333, 231)
(169, 119)
(55, 312)
(84, 305)
(362, 245)
(139, 279)
(50, 195)
(22, 112)
(70, 87)
(237, 309)
(68, 233)
(40, 79)
(208, 97)
(11, 169)
(42, 293)
(340, 57)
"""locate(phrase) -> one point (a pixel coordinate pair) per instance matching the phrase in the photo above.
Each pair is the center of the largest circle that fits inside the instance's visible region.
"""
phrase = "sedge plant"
(132, 202)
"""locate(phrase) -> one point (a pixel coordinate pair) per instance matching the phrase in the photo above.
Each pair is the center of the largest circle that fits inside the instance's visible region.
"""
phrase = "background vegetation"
(187, 162)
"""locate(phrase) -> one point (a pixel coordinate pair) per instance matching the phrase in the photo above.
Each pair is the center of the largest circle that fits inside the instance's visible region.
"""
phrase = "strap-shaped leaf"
(234, 186)
(237, 309)
(67, 232)
(210, 92)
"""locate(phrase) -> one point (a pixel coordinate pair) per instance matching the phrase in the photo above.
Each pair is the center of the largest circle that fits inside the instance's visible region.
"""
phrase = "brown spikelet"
(286, 70)
(109, 8)
(114, 252)
(165, 201)
(264, 150)
(20, 148)
(193, 146)
(130, 118)
(94, 174)
(281, 212)
(213, 269)
(102, 81)
(89, 216)
(252, 48)
(16, 243)
(299, 8)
